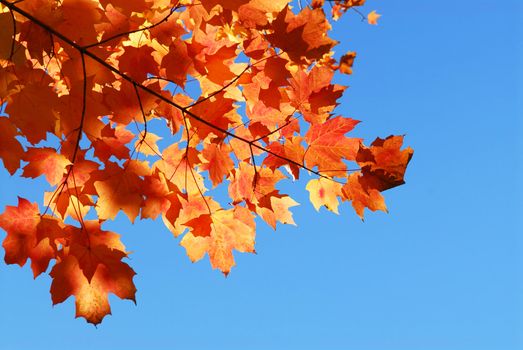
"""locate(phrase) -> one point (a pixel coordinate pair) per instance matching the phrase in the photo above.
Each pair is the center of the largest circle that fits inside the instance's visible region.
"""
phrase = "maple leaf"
(314, 95)
(119, 188)
(124, 105)
(290, 154)
(218, 111)
(90, 270)
(303, 35)
(92, 300)
(147, 144)
(69, 110)
(112, 143)
(250, 184)
(73, 202)
(7, 35)
(45, 161)
(138, 62)
(177, 62)
(27, 238)
(156, 191)
(78, 19)
(346, 62)
(274, 208)
(328, 146)
(38, 40)
(11, 150)
(9, 47)
(324, 192)
(216, 160)
(362, 195)
(384, 163)
(32, 110)
(372, 18)
(230, 229)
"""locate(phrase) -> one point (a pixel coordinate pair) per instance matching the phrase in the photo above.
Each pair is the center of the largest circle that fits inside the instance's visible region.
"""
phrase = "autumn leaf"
(9, 47)
(384, 163)
(362, 195)
(28, 236)
(32, 110)
(112, 143)
(45, 161)
(217, 161)
(156, 191)
(11, 150)
(324, 192)
(328, 146)
(346, 62)
(230, 230)
(92, 300)
(91, 269)
(177, 62)
(289, 154)
(118, 189)
(274, 208)
(302, 36)
(372, 18)
(138, 62)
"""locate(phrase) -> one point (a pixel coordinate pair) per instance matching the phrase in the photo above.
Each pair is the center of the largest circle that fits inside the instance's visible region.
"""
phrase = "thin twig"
(14, 35)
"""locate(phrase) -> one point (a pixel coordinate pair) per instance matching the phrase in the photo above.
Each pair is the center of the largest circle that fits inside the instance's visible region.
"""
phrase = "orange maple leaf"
(362, 195)
(384, 163)
(372, 18)
(45, 161)
(31, 110)
(27, 237)
(11, 150)
(328, 146)
(91, 269)
(216, 159)
(119, 189)
(346, 62)
(230, 229)
(324, 192)
(302, 36)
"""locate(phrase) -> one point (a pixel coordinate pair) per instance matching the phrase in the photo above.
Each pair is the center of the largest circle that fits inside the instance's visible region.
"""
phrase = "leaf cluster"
(245, 92)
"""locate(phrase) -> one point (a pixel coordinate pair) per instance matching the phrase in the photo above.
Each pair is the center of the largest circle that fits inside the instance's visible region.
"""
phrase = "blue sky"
(442, 270)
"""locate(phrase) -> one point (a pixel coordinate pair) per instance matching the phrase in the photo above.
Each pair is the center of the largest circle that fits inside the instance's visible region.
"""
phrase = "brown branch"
(256, 175)
(145, 124)
(84, 101)
(80, 217)
(190, 167)
(363, 17)
(141, 109)
(58, 191)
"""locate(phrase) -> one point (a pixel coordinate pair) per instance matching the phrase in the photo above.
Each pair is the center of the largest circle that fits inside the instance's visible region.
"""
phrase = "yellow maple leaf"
(372, 18)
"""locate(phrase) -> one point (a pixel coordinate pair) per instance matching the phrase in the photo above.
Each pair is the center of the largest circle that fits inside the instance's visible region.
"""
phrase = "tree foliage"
(244, 88)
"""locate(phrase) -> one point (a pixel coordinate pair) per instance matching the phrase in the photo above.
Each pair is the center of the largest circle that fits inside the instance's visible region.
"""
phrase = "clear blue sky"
(442, 271)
